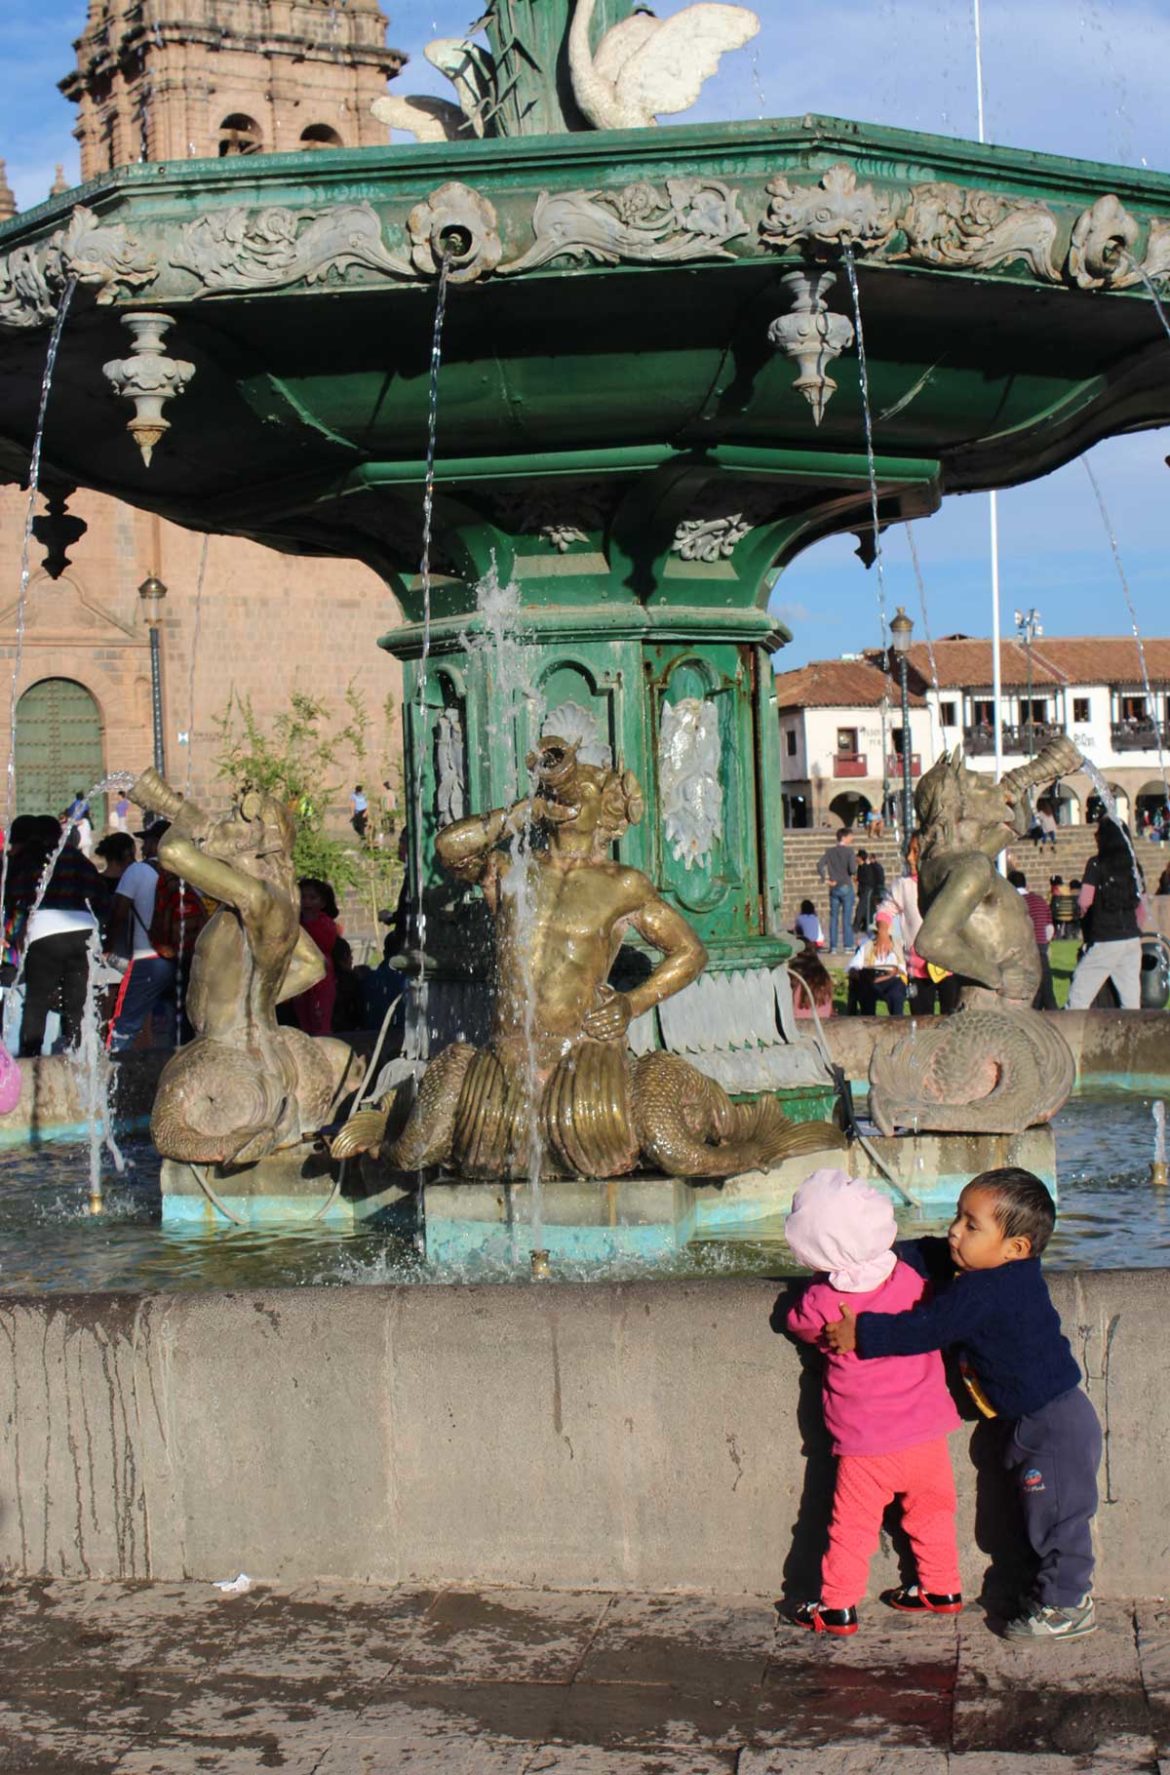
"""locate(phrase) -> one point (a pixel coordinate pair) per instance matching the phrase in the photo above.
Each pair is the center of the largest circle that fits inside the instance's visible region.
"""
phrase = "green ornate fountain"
(649, 402)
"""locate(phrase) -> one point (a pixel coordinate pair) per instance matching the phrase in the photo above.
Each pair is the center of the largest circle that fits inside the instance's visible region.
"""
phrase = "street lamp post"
(152, 591)
(1029, 629)
(901, 630)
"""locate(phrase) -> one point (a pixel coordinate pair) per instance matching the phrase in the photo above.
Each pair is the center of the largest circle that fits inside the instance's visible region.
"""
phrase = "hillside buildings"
(841, 722)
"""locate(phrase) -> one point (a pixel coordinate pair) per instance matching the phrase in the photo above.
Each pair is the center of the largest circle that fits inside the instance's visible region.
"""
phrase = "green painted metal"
(617, 432)
(526, 37)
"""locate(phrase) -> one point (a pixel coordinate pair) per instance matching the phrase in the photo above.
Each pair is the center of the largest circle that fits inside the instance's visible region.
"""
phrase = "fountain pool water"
(1110, 1217)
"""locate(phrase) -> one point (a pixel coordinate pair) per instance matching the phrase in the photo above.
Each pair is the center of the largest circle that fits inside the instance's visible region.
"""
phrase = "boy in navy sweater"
(991, 1303)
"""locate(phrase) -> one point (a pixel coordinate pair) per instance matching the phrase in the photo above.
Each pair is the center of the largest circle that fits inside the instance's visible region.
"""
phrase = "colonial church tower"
(183, 79)
(163, 80)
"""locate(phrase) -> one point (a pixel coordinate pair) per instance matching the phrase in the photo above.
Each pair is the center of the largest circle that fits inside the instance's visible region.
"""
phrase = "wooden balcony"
(850, 764)
(894, 765)
(1028, 738)
(1139, 736)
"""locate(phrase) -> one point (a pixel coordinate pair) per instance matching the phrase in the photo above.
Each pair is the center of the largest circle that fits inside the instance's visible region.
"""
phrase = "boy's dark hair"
(116, 847)
(1017, 878)
(1024, 1209)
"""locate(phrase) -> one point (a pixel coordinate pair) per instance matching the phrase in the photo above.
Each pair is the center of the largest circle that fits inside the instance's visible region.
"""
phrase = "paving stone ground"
(166, 1679)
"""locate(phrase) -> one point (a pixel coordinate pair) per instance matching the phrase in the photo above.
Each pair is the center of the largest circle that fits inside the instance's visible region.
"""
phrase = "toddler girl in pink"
(889, 1418)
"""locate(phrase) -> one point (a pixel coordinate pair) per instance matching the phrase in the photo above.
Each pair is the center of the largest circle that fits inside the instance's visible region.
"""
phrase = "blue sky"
(1078, 77)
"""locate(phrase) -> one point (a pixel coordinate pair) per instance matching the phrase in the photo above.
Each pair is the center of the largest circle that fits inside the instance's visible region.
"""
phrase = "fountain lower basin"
(655, 1217)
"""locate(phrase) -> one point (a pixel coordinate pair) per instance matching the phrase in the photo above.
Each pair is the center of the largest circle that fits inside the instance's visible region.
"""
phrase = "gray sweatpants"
(1120, 962)
(1055, 1453)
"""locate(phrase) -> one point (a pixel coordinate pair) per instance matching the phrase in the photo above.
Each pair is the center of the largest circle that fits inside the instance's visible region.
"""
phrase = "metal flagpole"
(992, 498)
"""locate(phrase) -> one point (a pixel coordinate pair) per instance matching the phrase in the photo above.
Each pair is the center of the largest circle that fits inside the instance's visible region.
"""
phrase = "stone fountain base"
(644, 1216)
(286, 1189)
(654, 1217)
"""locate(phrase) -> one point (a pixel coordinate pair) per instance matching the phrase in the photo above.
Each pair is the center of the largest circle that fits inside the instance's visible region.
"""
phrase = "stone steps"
(1074, 846)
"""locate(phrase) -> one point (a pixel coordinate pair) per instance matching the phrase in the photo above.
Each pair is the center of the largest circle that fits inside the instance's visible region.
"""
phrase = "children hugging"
(883, 1312)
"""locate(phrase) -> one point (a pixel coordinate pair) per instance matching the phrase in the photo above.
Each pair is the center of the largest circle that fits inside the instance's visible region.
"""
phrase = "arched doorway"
(849, 808)
(58, 747)
(1065, 804)
(1094, 807)
(1149, 803)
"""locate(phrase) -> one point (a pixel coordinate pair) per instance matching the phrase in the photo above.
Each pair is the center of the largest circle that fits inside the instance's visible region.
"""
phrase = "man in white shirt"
(149, 977)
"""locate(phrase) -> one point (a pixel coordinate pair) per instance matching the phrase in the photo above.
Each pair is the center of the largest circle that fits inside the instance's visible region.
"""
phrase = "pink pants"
(921, 1476)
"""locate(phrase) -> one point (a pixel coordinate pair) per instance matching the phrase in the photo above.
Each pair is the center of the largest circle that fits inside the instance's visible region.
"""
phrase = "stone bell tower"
(207, 78)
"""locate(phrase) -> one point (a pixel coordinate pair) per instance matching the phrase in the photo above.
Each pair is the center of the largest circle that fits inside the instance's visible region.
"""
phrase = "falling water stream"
(878, 559)
(34, 478)
(515, 705)
(1155, 298)
(417, 1044)
(1109, 803)
(1133, 622)
(200, 578)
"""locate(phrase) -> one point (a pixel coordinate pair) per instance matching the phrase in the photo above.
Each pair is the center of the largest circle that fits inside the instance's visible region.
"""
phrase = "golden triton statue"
(244, 1086)
(557, 1085)
(997, 1066)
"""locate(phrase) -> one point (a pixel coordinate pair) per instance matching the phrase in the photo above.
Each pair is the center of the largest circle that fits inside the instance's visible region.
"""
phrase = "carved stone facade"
(171, 82)
(266, 624)
(201, 79)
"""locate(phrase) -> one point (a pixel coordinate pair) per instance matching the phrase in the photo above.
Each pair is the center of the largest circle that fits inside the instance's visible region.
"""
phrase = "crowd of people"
(875, 924)
(103, 920)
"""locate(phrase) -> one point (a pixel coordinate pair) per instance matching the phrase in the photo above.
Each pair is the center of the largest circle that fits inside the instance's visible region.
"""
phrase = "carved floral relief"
(268, 249)
(639, 224)
(688, 776)
(102, 256)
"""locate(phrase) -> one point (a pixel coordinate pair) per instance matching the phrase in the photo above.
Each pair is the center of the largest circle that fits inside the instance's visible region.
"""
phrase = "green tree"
(305, 757)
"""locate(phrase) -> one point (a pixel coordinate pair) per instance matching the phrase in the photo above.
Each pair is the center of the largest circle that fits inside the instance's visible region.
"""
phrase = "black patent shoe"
(818, 1619)
(909, 1600)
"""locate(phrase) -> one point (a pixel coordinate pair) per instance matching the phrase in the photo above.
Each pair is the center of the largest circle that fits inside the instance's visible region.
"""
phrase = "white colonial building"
(841, 721)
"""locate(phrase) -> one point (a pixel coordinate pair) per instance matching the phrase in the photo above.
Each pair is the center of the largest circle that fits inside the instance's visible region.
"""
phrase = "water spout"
(1158, 1166)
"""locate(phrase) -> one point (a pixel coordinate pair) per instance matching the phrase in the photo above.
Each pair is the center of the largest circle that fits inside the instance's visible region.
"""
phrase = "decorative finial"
(148, 378)
(60, 182)
(7, 200)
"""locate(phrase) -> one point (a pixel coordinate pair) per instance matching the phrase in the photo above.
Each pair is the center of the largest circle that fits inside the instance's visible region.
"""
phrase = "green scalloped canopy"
(609, 371)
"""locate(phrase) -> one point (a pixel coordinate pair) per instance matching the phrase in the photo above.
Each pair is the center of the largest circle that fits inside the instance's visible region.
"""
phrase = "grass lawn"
(1061, 954)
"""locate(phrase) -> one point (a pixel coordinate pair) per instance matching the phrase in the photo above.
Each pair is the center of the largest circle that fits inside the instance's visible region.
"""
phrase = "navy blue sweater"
(1000, 1321)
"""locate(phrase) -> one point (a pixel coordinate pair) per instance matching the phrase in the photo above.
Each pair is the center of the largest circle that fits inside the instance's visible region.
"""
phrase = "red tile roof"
(964, 663)
(838, 684)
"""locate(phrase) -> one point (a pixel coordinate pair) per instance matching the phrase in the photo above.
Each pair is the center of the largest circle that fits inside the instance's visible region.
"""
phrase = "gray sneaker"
(1040, 1622)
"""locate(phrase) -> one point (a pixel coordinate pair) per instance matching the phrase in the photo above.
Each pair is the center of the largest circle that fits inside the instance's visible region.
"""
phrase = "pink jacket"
(889, 1402)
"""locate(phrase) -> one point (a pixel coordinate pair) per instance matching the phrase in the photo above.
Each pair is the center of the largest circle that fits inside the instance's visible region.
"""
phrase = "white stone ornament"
(709, 539)
(688, 778)
(580, 727)
(457, 224)
(835, 212)
(947, 225)
(451, 769)
(812, 336)
(1100, 255)
(645, 66)
(149, 378)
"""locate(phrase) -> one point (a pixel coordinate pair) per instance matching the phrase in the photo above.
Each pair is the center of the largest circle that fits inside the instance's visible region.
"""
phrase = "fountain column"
(641, 620)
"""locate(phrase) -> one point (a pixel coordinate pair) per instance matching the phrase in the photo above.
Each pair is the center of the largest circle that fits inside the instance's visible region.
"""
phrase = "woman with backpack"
(1110, 901)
